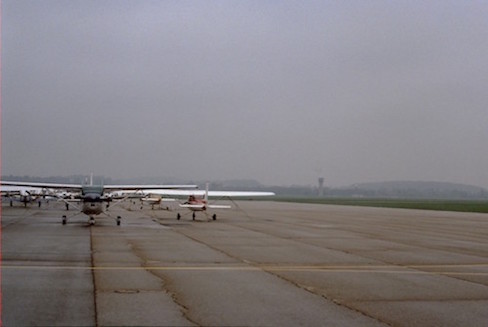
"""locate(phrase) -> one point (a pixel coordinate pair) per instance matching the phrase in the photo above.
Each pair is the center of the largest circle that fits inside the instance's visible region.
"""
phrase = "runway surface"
(264, 264)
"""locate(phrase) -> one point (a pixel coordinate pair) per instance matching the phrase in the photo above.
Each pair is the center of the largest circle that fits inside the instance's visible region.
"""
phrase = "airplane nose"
(92, 197)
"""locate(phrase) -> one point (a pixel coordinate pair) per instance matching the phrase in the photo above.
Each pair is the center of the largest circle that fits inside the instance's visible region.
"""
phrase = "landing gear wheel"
(178, 216)
(118, 220)
(214, 217)
(64, 220)
(193, 216)
(92, 221)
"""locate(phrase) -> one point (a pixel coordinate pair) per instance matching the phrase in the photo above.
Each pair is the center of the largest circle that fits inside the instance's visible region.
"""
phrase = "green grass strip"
(441, 205)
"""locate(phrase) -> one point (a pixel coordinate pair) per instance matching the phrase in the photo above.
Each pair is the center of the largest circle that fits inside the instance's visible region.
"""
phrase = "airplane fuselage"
(196, 204)
(92, 207)
(26, 199)
(152, 201)
(92, 200)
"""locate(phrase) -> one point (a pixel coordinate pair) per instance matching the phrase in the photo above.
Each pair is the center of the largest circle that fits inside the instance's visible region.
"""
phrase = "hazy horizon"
(282, 92)
(102, 179)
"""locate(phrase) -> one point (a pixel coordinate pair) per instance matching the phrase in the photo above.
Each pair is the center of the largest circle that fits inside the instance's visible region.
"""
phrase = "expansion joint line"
(277, 275)
(93, 278)
(164, 281)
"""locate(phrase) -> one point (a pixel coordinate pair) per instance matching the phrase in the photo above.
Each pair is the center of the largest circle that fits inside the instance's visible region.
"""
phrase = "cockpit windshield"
(92, 189)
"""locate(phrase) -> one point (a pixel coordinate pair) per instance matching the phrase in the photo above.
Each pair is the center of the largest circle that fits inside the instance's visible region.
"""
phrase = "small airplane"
(92, 196)
(24, 195)
(155, 200)
(198, 200)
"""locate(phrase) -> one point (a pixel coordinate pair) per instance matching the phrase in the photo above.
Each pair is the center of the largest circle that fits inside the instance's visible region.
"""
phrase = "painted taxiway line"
(387, 269)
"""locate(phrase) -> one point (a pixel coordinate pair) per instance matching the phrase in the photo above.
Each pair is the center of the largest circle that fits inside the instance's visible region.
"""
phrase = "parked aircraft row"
(24, 195)
(93, 197)
(198, 200)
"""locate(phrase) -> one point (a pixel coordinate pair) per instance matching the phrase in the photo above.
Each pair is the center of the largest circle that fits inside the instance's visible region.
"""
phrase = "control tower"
(321, 186)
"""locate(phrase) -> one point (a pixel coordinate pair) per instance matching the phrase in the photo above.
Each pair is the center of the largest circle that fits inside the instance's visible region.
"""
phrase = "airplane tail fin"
(206, 192)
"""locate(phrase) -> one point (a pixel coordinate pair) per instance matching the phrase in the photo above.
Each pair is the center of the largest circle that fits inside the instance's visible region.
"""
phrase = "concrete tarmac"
(263, 264)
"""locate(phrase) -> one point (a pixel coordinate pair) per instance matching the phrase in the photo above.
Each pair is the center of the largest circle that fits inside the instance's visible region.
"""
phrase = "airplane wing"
(42, 185)
(193, 206)
(13, 188)
(111, 188)
(18, 190)
(108, 188)
(219, 206)
(233, 194)
(201, 206)
(221, 194)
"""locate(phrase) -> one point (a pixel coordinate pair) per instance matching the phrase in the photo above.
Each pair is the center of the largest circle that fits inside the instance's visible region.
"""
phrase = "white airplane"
(198, 200)
(155, 200)
(24, 195)
(92, 196)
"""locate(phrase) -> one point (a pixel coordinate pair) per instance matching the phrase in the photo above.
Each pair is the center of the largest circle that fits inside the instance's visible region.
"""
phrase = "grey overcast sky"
(278, 91)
